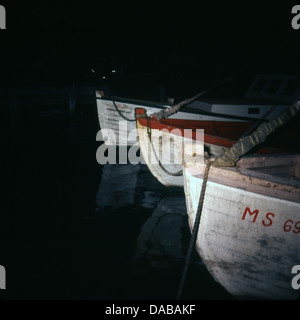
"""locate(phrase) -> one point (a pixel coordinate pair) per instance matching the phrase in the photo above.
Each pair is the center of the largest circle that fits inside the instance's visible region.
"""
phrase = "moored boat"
(249, 232)
(161, 142)
(117, 115)
(244, 215)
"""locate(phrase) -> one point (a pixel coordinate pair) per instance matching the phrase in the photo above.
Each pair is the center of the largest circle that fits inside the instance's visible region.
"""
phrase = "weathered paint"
(248, 241)
(147, 150)
(197, 111)
(110, 119)
(164, 153)
(168, 135)
(124, 131)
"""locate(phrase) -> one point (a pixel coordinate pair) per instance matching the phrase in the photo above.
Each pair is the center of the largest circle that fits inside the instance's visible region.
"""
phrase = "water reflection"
(52, 185)
(117, 186)
(125, 185)
(163, 238)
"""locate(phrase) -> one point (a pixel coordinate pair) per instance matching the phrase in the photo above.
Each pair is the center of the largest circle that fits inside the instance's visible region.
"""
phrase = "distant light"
(93, 70)
(103, 78)
(113, 71)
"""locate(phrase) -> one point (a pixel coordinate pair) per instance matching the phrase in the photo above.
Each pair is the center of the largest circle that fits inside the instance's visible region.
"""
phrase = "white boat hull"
(250, 255)
(124, 132)
(163, 153)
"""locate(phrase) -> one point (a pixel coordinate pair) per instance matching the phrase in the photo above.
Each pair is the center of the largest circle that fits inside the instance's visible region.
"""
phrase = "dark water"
(73, 229)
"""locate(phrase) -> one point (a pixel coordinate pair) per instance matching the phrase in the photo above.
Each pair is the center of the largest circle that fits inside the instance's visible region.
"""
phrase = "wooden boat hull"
(110, 120)
(249, 233)
(125, 133)
(166, 173)
(169, 136)
(163, 151)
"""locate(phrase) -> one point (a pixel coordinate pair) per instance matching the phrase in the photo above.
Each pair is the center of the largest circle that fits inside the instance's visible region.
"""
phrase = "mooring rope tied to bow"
(195, 230)
(167, 112)
(149, 134)
(231, 155)
(119, 111)
(228, 158)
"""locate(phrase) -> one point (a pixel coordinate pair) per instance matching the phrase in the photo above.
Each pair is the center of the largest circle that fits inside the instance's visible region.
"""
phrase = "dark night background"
(59, 41)
(52, 245)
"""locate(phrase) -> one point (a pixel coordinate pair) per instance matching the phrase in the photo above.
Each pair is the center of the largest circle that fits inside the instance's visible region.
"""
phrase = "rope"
(194, 232)
(230, 156)
(168, 112)
(120, 113)
(165, 113)
(256, 123)
(176, 174)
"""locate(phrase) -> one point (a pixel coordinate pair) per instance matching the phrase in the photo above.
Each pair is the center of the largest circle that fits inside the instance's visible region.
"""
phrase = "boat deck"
(270, 175)
(283, 169)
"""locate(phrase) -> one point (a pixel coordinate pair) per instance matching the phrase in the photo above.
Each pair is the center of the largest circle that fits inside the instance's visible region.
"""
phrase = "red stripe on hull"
(220, 133)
